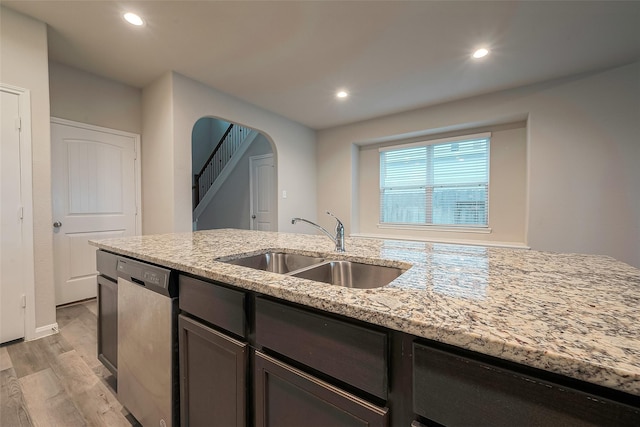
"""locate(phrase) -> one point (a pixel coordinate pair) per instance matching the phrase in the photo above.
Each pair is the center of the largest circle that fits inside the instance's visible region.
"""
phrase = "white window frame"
(470, 228)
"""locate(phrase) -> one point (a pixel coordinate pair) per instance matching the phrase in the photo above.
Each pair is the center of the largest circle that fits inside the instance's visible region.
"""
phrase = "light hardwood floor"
(58, 380)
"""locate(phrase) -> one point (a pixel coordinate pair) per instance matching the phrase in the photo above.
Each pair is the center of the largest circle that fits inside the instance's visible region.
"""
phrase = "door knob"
(57, 224)
(253, 216)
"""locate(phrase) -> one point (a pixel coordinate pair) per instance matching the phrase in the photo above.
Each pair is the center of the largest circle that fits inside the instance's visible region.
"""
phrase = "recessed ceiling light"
(342, 94)
(133, 19)
(480, 53)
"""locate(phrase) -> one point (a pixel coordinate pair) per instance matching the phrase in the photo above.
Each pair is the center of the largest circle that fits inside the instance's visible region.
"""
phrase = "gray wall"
(185, 101)
(24, 63)
(582, 158)
(87, 98)
(230, 206)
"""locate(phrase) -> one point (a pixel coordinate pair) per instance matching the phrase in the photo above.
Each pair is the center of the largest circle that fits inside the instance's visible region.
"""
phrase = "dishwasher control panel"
(155, 278)
(152, 277)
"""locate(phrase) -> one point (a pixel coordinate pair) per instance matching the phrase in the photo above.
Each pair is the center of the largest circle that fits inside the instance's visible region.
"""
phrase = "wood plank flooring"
(58, 380)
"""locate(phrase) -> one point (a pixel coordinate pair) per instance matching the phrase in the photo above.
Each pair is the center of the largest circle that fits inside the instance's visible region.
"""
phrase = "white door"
(95, 194)
(12, 280)
(262, 192)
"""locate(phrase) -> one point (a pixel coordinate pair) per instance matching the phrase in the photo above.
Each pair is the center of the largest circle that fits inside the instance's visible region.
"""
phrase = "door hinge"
(136, 210)
(20, 212)
(24, 301)
(18, 123)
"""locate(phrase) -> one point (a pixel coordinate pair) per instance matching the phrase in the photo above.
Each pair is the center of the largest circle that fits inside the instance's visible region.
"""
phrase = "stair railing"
(220, 156)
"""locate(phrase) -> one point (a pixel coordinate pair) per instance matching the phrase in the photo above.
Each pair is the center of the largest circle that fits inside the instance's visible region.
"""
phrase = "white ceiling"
(291, 57)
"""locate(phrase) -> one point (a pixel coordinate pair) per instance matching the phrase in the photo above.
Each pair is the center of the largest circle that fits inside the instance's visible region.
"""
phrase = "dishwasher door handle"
(138, 281)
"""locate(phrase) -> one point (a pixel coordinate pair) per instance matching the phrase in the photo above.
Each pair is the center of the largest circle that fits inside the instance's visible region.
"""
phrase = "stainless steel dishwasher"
(147, 345)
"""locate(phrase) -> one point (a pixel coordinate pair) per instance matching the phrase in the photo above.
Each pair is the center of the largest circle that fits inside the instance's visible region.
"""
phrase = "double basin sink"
(342, 273)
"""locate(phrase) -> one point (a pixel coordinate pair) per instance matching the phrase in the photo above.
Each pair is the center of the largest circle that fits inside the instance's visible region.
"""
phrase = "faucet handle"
(337, 219)
(339, 233)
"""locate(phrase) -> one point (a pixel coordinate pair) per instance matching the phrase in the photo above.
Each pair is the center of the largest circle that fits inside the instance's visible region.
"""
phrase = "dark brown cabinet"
(107, 300)
(108, 323)
(288, 397)
(212, 376)
(455, 390)
(213, 364)
(252, 360)
(352, 354)
(215, 304)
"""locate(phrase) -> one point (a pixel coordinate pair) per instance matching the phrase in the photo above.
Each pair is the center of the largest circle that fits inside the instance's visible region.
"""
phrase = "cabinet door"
(287, 397)
(108, 323)
(212, 377)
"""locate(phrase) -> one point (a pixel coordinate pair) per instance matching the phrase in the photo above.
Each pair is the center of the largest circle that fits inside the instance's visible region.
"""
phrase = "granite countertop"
(576, 315)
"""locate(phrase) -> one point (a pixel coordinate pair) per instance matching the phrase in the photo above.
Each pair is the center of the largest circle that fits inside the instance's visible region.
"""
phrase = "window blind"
(443, 182)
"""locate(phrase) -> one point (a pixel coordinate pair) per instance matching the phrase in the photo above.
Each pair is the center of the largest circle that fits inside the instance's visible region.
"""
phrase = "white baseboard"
(43, 331)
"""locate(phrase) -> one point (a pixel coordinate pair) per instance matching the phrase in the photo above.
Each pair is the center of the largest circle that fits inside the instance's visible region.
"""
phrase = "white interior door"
(262, 192)
(95, 189)
(12, 262)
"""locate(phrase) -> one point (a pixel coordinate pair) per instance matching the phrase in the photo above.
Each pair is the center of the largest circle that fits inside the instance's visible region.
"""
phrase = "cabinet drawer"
(215, 304)
(350, 353)
(287, 397)
(454, 390)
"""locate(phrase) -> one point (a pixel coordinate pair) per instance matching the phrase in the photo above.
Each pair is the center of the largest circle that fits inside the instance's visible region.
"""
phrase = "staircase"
(220, 157)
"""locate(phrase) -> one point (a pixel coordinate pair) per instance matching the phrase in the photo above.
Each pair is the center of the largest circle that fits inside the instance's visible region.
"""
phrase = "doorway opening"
(234, 172)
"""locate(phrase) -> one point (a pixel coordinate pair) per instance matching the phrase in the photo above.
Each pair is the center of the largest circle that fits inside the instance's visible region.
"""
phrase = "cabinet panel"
(107, 331)
(106, 263)
(216, 304)
(212, 377)
(287, 397)
(350, 353)
(454, 390)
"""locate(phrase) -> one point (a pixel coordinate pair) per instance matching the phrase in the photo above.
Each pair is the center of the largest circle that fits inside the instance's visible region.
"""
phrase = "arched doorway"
(234, 177)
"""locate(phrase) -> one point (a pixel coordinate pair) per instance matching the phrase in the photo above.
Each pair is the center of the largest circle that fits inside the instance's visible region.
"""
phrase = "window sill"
(486, 243)
(447, 229)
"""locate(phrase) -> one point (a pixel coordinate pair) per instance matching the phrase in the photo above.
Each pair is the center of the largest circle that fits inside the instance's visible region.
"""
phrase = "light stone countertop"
(576, 315)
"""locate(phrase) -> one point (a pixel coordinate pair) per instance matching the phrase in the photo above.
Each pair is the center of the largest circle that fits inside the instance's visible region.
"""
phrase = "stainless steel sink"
(277, 262)
(350, 274)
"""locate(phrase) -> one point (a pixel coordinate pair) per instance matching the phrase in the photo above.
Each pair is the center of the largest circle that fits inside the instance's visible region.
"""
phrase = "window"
(443, 182)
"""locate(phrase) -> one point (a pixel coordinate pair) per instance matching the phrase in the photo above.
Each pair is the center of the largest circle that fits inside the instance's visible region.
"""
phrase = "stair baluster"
(221, 154)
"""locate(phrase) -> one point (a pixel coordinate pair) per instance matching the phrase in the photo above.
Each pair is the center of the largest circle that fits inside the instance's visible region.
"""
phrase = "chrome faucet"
(338, 240)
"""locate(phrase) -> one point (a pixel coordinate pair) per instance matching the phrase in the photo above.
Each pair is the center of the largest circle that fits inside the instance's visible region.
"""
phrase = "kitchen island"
(571, 315)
